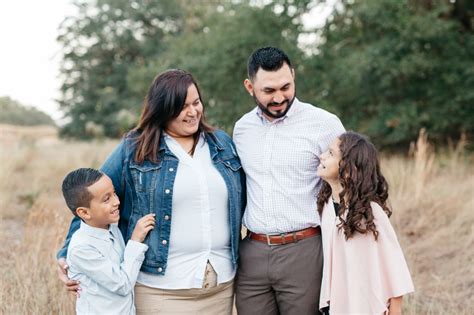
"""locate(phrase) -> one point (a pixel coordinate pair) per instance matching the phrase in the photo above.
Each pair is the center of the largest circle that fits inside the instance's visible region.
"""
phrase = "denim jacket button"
(164, 242)
(171, 169)
(167, 191)
(160, 269)
(167, 217)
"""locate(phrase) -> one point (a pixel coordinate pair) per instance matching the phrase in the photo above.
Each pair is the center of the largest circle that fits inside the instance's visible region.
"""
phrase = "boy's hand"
(72, 286)
(144, 225)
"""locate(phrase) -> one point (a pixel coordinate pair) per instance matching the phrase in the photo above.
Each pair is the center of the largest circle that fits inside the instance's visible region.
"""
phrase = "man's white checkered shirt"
(280, 160)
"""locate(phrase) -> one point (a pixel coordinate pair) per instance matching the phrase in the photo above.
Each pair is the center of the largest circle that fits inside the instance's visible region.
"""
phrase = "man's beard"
(280, 114)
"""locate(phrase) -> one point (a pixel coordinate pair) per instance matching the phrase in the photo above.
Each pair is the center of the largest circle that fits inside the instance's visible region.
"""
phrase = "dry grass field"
(431, 196)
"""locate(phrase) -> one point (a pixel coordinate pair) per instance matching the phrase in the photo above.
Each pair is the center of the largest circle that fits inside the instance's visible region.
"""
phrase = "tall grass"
(433, 202)
(34, 220)
(430, 194)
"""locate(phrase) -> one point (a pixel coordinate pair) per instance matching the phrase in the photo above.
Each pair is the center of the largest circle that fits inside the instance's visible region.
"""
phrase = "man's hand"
(144, 225)
(72, 286)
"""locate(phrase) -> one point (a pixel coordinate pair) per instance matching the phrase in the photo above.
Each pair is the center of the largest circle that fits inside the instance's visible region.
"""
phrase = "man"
(279, 143)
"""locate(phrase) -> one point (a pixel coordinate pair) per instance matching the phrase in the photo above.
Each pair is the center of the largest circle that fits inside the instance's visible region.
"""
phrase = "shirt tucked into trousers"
(280, 159)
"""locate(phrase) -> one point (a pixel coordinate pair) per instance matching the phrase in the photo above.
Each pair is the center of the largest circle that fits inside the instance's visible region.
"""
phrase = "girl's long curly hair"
(362, 183)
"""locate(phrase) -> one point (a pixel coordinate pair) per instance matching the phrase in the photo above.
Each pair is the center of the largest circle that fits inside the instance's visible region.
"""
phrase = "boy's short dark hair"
(267, 58)
(75, 185)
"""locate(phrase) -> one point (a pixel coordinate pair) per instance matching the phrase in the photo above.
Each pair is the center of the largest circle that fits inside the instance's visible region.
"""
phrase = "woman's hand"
(144, 225)
(72, 286)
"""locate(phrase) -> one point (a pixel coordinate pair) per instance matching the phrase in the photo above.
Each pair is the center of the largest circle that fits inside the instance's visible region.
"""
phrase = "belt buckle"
(282, 235)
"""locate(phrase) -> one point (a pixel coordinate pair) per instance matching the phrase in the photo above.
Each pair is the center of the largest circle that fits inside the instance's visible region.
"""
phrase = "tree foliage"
(390, 68)
(101, 45)
(14, 113)
(386, 67)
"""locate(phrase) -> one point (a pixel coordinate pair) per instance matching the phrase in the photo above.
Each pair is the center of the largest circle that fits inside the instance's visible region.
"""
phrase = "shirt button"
(171, 169)
(167, 217)
(167, 191)
(160, 269)
(164, 242)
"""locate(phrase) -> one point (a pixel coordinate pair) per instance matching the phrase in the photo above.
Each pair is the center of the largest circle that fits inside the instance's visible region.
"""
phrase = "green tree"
(113, 49)
(101, 44)
(215, 50)
(390, 67)
(14, 113)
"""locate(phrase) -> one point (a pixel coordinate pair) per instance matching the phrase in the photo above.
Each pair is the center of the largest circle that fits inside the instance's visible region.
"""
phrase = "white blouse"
(200, 229)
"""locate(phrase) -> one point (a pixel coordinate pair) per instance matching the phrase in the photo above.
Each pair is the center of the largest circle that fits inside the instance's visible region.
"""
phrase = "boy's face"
(104, 205)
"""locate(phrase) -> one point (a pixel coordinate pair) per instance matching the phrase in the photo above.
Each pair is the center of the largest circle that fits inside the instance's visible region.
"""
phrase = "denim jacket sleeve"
(112, 167)
(225, 138)
(243, 181)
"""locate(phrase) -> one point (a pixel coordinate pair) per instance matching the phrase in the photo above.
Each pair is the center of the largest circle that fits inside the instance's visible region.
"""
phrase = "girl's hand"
(395, 307)
(144, 225)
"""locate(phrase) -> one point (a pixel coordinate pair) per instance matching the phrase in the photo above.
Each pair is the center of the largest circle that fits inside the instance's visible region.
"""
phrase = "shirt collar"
(288, 114)
(99, 233)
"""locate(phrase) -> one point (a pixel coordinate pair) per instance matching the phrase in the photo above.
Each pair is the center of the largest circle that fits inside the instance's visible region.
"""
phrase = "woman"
(175, 165)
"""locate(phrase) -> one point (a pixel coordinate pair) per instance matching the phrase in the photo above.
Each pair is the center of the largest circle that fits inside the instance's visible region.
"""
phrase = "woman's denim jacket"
(148, 188)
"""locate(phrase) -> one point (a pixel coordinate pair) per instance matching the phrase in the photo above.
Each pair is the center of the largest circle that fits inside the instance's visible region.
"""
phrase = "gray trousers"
(283, 279)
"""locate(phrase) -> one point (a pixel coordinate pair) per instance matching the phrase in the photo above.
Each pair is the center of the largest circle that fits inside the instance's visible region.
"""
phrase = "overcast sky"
(30, 55)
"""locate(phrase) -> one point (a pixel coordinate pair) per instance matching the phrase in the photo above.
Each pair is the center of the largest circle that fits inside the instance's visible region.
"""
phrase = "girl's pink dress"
(361, 275)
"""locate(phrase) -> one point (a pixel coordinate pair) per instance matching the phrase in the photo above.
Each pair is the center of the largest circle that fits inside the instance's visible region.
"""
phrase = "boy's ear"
(83, 213)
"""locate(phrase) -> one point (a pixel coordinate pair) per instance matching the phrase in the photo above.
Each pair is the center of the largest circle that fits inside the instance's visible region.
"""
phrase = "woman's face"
(328, 168)
(187, 123)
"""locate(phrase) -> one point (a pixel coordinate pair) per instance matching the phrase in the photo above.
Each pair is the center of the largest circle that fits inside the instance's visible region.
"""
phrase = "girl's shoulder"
(377, 210)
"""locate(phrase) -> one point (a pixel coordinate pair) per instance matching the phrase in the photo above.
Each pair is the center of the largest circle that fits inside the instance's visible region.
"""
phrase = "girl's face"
(328, 168)
(187, 123)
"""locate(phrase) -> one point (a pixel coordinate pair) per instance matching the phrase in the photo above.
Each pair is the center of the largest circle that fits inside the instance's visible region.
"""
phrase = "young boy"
(97, 255)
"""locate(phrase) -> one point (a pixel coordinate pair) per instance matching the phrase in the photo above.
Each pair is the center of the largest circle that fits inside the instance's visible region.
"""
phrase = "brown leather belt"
(284, 238)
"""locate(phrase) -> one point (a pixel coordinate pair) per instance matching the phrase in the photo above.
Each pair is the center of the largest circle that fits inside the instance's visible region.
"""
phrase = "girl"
(364, 268)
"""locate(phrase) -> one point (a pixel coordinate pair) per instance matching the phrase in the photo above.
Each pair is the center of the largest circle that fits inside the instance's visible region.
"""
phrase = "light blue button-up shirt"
(106, 268)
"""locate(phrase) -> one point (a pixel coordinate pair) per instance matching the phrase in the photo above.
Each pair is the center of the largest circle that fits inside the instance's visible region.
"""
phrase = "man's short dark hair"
(75, 185)
(267, 58)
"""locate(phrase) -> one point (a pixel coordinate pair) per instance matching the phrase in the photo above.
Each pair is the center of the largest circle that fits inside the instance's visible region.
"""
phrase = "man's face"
(273, 91)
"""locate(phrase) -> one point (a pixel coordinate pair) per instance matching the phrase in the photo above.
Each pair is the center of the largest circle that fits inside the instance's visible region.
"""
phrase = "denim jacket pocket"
(233, 164)
(145, 175)
(234, 167)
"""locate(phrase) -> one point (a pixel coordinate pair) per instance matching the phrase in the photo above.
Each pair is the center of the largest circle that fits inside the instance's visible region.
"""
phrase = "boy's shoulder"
(83, 238)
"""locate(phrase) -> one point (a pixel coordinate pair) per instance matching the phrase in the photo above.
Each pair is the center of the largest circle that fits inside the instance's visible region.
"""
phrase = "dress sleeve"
(395, 276)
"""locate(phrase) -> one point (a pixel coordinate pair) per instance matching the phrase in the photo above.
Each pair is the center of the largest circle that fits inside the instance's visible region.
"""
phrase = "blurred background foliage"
(387, 68)
(15, 113)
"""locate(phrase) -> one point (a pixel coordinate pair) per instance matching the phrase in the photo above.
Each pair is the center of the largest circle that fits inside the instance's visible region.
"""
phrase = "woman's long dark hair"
(362, 183)
(163, 103)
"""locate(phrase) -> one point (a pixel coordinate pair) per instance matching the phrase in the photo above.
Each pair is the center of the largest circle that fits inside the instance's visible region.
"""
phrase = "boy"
(97, 255)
